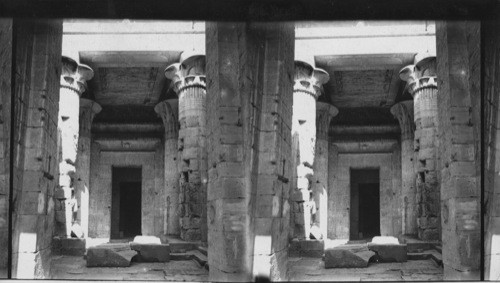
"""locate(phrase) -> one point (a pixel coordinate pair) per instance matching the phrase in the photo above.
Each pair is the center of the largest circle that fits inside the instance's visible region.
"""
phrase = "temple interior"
(219, 151)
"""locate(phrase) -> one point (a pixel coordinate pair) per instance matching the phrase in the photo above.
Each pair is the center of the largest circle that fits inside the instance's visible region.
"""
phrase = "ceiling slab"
(363, 80)
(128, 77)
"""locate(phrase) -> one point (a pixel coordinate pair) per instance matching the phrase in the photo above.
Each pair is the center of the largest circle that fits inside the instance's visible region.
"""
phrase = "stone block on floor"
(389, 252)
(68, 246)
(147, 240)
(385, 240)
(348, 256)
(110, 255)
(151, 252)
(306, 248)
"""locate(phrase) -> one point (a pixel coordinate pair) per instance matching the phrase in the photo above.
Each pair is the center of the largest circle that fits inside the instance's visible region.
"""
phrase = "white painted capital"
(308, 79)
(324, 115)
(403, 111)
(420, 75)
(189, 72)
(74, 76)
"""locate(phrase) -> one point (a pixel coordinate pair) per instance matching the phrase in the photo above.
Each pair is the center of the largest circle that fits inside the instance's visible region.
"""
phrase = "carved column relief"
(74, 79)
(307, 88)
(422, 85)
(188, 78)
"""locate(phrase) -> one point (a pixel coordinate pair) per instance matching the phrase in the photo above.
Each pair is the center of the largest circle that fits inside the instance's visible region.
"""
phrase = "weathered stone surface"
(146, 240)
(151, 252)
(88, 110)
(389, 252)
(5, 135)
(339, 206)
(189, 83)
(37, 62)
(68, 246)
(260, 130)
(492, 152)
(306, 248)
(385, 240)
(110, 255)
(348, 256)
(459, 71)
(422, 83)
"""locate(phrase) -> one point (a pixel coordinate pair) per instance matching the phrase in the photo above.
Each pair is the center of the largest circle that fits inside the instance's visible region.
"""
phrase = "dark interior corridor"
(364, 204)
(126, 202)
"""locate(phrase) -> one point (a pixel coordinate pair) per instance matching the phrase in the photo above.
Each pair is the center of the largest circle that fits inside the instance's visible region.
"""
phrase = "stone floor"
(74, 268)
(313, 269)
(301, 269)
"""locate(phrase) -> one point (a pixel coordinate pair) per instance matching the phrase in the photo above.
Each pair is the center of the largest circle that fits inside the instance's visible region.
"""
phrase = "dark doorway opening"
(126, 202)
(369, 210)
(365, 204)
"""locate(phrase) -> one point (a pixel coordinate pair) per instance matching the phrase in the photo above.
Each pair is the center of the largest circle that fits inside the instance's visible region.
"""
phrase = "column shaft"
(73, 84)
(249, 115)
(459, 100)
(168, 110)
(192, 145)
(422, 84)
(37, 84)
(303, 150)
(307, 88)
(324, 114)
(69, 104)
(88, 110)
(188, 78)
(425, 104)
(403, 111)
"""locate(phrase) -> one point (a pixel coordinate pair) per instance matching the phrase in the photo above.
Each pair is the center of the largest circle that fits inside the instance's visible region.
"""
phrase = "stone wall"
(249, 81)
(388, 161)
(153, 196)
(491, 145)
(5, 120)
(458, 73)
(38, 67)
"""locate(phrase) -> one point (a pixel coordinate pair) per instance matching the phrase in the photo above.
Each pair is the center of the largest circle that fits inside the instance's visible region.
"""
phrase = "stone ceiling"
(128, 77)
(137, 78)
(362, 58)
(364, 80)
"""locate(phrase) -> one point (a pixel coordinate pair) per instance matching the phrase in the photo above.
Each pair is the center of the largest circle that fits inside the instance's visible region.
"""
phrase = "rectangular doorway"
(365, 204)
(126, 209)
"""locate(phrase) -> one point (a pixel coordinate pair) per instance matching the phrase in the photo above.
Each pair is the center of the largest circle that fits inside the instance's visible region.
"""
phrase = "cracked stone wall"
(458, 73)
(491, 145)
(5, 119)
(249, 81)
(38, 67)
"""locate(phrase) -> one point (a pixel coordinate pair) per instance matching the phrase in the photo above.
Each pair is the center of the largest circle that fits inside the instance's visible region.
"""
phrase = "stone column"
(307, 88)
(168, 110)
(74, 79)
(250, 70)
(324, 114)
(422, 84)
(458, 45)
(188, 78)
(5, 136)
(88, 110)
(403, 111)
